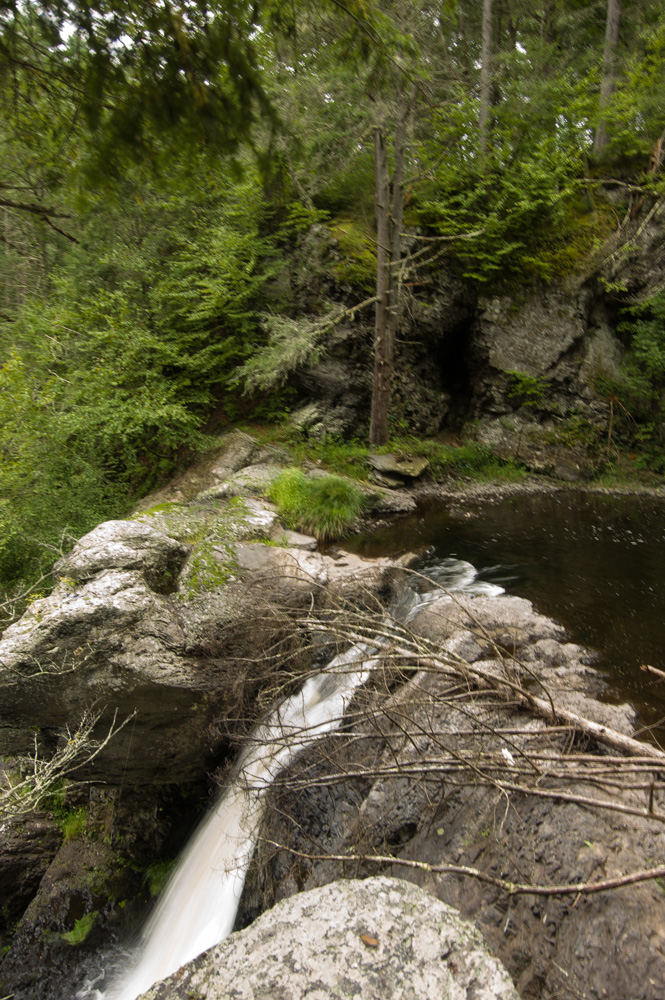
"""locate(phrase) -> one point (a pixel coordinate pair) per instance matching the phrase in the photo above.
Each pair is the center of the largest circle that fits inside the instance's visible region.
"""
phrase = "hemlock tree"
(609, 71)
(485, 59)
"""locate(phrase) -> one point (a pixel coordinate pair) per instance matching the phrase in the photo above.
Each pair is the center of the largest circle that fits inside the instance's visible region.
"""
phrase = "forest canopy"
(166, 170)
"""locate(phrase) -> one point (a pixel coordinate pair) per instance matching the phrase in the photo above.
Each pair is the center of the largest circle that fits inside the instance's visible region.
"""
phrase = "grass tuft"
(323, 506)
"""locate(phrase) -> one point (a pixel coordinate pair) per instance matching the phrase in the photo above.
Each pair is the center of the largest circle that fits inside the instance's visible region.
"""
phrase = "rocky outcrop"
(106, 642)
(166, 636)
(28, 844)
(533, 362)
(444, 772)
(381, 938)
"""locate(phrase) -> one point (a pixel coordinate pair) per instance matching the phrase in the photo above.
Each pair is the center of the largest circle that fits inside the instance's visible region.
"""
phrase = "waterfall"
(198, 906)
(197, 909)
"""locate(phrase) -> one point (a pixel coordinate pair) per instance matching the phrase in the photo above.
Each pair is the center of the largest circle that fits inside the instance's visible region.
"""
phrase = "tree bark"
(485, 60)
(609, 71)
(383, 361)
(389, 198)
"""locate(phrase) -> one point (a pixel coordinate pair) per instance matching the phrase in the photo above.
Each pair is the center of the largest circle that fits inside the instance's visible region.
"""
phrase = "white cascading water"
(198, 907)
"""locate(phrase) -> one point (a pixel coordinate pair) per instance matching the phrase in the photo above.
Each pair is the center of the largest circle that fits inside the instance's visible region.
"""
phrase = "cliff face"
(517, 371)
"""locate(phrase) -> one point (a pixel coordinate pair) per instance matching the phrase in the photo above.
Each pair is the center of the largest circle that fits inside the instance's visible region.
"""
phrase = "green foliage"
(497, 208)
(577, 431)
(634, 114)
(324, 506)
(291, 343)
(104, 383)
(133, 73)
(527, 390)
(637, 395)
(356, 265)
(81, 928)
(157, 875)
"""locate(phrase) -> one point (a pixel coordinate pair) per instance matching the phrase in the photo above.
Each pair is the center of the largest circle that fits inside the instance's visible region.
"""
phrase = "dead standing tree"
(389, 202)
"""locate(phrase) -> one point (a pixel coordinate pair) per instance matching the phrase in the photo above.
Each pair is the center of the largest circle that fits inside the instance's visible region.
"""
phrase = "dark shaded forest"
(191, 195)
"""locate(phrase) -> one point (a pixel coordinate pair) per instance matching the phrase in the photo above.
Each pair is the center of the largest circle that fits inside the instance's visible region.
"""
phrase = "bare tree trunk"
(485, 59)
(389, 222)
(609, 71)
(383, 361)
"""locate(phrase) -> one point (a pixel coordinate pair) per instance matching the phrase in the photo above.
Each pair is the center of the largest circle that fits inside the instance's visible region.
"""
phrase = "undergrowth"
(324, 506)
(349, 458)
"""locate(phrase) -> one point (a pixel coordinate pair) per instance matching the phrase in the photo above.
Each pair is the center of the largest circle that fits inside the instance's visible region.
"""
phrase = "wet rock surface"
(164, 614)
(381, 938)
(93, 888)
(439, 775)
(28, 844)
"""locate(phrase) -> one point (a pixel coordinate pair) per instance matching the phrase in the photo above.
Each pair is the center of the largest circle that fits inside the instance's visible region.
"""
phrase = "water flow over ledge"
(198, 907)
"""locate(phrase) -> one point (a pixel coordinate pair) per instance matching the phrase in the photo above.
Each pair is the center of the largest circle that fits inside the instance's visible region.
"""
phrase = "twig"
(512, 888)
(653, 670)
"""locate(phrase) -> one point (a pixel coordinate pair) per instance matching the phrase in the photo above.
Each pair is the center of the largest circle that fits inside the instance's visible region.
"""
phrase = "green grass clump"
(324, 506)
(74, 823)
(157, 875)
(81, 929)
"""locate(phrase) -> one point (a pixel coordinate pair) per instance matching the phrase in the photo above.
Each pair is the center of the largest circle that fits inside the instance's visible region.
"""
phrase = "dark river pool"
(594, 563)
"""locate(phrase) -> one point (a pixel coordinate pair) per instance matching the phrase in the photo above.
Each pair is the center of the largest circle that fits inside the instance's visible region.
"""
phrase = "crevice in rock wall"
(455, 365)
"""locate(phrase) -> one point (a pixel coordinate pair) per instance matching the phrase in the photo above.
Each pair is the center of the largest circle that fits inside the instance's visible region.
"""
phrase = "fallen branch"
(512, 888)
(21, 796)
(653, 670)
(481, 679)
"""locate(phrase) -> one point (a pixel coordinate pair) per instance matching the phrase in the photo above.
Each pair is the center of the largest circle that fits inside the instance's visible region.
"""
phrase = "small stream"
(593, 562)
(197, 909)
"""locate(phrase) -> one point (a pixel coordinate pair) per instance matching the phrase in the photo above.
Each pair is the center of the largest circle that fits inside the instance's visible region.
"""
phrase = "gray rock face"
(533, 368)
(532, 336)
(105, 640)
(396, 799)
(27, 846)
(125, 545)
(379, 939)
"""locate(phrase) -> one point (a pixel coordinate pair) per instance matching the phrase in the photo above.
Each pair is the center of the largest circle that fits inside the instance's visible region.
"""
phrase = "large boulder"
(109, 641)
(533, 364)
(164, 637)
(125, 545)
(379, 939)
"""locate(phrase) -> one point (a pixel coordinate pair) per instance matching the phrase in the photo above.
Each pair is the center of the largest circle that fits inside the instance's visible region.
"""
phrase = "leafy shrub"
(526, 390)
(157, 875)
(324, 506)
(637, 393)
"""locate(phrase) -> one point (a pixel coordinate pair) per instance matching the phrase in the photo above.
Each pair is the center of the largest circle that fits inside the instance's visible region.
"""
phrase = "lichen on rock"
(379, 938)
